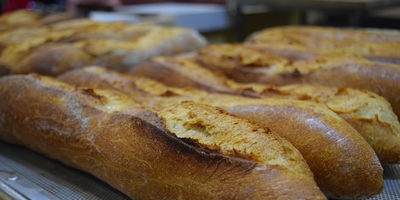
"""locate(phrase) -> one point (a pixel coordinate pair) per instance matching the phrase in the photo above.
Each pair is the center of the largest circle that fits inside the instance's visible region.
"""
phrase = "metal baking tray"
(25, 174)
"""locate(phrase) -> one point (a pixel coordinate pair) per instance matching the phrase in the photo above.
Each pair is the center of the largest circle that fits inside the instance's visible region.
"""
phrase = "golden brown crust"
(125, 54)
(343, 146)
(183, 73)
(362, 42)
(104, 79)
(100, 132)
(18, 50)
(242, 63)
(23, 18)
(206, 125)
(356, 73)
(53, 59)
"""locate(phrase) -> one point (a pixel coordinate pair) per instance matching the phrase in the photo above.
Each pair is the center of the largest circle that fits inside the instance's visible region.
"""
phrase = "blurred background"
(226, 20)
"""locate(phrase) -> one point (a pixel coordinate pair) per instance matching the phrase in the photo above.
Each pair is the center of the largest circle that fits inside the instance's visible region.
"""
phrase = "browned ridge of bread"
(56, 48)
(343, 163)
(105, 133)
(370, 114)
(376, 44)
(328, 70)
(104, 79)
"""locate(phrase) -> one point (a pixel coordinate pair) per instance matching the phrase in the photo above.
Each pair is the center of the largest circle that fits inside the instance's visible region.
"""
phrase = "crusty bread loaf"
(370, 114)
(345, 165)
(328, 70)
(376, 44)
(23, 18)
(17, 19)
(117, 45)
(108, 135)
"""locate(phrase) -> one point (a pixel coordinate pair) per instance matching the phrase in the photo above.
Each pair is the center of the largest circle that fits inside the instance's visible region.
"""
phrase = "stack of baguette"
(338, 70)
(51, 49)
(355, 106)
(227, 121)
(17, 19)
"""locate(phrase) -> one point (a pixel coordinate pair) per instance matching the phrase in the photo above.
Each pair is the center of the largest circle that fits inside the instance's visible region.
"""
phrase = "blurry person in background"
(7, 6)
(11, 5)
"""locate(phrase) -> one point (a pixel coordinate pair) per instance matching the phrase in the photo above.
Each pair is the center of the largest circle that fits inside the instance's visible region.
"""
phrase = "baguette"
(375, 44)
(327, 70)
(23, 18)
(370, 114)
(345, 165)
(17, 19)
(115, 44)
(105, 133)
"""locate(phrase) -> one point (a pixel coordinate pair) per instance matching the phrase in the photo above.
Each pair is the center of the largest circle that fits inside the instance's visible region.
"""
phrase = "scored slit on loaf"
(353, 166)
(105, 133)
